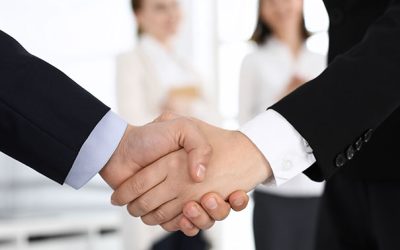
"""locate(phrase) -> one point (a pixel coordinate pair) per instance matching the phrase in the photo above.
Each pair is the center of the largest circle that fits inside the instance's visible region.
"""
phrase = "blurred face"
(282, 15)
(159, 18)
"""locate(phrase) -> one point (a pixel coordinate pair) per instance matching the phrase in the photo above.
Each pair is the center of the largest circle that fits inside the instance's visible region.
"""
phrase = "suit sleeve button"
(340, 160)
(350, 153)
(368, 135)
(359, 144)
(287, 165)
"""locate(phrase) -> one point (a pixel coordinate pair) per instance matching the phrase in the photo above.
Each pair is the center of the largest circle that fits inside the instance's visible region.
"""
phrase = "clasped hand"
(183, 174)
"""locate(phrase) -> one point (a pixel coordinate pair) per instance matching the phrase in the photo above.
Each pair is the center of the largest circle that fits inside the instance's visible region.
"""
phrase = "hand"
(236, 164)
(123, 164)
(211, 208)
(141, 146)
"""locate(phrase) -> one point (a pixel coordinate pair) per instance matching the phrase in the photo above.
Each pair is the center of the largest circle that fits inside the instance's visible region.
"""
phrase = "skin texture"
(236, 164)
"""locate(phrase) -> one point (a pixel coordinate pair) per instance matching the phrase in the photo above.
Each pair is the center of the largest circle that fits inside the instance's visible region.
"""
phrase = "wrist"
(261, 169)
(111, 172)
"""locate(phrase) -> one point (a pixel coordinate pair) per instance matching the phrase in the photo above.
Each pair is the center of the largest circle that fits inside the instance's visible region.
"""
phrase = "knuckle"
(159, 216)
(137, 186)
(144, 205)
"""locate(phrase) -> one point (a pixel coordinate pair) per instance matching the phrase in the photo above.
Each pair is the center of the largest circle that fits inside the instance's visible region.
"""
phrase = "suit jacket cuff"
(97, 150)
(286, 150)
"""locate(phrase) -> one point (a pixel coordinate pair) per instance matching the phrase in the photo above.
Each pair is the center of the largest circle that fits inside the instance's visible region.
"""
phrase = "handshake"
(183, 174)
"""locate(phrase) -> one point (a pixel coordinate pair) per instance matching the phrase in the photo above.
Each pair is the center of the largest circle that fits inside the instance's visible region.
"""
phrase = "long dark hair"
(263, 31)
(136, 6)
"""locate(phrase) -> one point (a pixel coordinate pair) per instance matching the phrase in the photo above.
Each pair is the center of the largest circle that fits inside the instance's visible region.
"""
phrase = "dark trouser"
(357, 214)
(282, 223)
(178, 241)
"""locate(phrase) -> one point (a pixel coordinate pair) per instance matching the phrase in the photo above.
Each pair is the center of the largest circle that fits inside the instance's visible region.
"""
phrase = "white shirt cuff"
(287, 152)
(97, 150)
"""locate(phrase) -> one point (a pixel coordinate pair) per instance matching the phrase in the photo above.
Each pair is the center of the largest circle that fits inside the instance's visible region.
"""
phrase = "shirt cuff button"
(287, 165)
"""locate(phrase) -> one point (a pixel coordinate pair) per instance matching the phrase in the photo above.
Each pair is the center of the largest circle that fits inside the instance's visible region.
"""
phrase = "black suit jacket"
(350, 114)
(45, 117)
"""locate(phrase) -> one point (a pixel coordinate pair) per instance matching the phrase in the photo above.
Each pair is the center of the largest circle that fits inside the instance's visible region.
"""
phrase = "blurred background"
(85, 39)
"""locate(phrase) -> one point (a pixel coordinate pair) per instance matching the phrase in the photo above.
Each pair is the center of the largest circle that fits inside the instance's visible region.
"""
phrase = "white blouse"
(170, 70)
(265, 76)
(145, 76)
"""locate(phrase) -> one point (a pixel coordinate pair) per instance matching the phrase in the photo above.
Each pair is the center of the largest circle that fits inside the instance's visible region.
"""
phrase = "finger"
(196, 145)
(164, 213)
(151, 200)
(172, 225)
(180, 223)
(188, 228)
(191, 138)
(216, 207)
(138, 184)
(198, 216)
(239, 200)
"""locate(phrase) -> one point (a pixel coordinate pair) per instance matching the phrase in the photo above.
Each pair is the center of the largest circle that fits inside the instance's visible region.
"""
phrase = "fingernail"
(113, 202)
(238, 202)
(201, 171)
(211, 203)
(193, 212)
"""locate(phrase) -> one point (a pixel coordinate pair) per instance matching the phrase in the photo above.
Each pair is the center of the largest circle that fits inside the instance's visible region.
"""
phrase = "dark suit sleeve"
(355, 95)
(45, 117)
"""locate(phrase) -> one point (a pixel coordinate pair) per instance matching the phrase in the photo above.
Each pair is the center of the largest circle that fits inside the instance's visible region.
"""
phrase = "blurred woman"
(284, 217)
(151, 79)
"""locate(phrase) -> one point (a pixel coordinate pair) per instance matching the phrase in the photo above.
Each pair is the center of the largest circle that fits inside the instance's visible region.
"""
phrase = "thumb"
(195, 143)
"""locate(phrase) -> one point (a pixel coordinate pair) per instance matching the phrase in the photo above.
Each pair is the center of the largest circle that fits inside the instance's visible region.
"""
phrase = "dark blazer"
(45, 117)
(350, 114)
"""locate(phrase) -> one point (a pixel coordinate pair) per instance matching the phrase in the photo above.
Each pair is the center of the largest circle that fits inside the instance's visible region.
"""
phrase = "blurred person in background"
(284, 218)
(152, 79)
